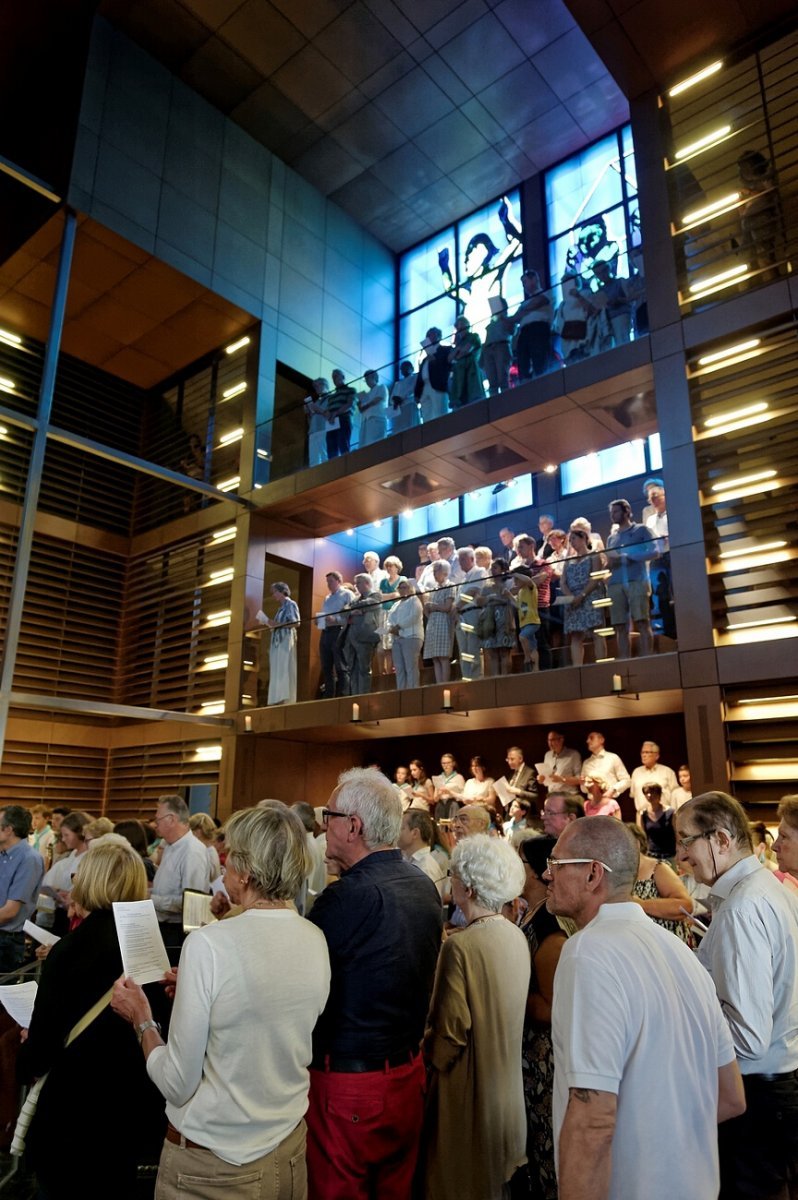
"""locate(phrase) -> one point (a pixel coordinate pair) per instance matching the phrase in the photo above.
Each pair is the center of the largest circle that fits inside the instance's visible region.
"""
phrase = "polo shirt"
(621, 994)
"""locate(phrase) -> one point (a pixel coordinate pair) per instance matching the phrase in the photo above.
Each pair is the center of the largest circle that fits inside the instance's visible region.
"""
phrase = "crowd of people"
(434, 1027)
(511, 348)
(545, 596)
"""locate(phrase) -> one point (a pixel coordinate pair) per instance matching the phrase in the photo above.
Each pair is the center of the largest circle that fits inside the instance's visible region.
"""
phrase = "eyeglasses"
(551, 863)
(156, 819)
(553, 812)
(326, 813)
(684, 843)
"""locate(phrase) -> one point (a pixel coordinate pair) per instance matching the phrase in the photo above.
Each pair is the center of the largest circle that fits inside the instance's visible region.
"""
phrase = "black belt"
(359, 1066)
(770, 1077)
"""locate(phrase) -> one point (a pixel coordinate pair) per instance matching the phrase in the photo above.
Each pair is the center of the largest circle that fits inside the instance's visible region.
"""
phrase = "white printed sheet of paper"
(144, 957)
(40, 935)
(502, 790)
(18, 1000)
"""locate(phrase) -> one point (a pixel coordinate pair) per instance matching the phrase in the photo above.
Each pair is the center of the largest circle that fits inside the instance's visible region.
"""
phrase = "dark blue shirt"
(382, 922)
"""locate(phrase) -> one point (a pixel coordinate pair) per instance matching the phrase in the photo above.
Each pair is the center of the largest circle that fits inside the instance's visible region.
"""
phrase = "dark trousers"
(532, 349)
(338, 439)
(759, 1150)
(12, 951)
(333, 662)
(544, 641)
(173, 938)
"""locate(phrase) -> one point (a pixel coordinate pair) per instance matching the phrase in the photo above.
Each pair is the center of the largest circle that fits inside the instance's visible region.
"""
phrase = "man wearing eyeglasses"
(751, 952)
(184, 864)
(382, 921)
(559, 810)
(644, 1062)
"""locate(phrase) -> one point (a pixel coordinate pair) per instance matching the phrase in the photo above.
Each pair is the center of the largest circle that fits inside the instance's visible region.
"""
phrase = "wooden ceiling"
(127, 312)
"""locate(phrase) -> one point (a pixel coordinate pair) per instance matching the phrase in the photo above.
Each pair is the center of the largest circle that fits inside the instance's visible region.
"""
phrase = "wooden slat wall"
(35, 773)
(137, 776)
(742, 588)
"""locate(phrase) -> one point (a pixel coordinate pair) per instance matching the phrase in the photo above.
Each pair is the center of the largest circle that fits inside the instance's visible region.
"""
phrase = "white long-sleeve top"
(234, 1072)
(408, 616)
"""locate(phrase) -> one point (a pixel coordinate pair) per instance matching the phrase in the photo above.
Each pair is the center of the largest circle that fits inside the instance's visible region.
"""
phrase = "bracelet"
(144, 1026)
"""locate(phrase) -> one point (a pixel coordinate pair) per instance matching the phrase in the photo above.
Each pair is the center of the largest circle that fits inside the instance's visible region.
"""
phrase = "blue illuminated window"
(607, 466)
(592, 211)
(459, 271)
(487, 502)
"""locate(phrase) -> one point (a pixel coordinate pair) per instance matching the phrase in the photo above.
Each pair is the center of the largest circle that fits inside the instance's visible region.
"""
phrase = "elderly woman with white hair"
(475, 1134)
(282, 652)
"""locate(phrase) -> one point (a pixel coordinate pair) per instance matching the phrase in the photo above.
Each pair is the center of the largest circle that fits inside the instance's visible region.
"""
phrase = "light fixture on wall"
(7, 385)
(239, 345)
(10, 339)
(716, 283)
(229, 485)
(232, 436)
(702, 143)
(699, 216)
(235, 390)
(699, 77)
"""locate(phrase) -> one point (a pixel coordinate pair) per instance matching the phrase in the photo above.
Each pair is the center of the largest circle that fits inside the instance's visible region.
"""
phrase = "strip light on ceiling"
(709, 139)
(760, 623)
(716, 283)
(742, 481)
(736, 414)
(737, 348)
(698, 77)
(700, 215)
(235, 390)
(752, 550)
(239, 345)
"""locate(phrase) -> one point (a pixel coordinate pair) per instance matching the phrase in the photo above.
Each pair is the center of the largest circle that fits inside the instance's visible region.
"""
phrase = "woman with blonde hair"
(234, 1071)
(204, 829)
(100, 1074)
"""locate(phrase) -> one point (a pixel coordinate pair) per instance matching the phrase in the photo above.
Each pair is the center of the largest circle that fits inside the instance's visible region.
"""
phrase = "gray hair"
(490, 868)
(441, 565)
(177, 806)
(465, 552)
(282, 588)
(446, 541)
(363, 576)
(270, 846)
(606, 840)
(367, 794)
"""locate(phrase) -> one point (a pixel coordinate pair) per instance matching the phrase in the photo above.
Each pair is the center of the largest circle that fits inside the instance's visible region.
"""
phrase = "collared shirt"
(333, 606)
(635, 545)
(382, 922)
(21, 872)
(659, 773)
(426, 862)
(184, 865)
(751, 952)
(456, 572)
(466, 594)
(567, 763)
(607, 766)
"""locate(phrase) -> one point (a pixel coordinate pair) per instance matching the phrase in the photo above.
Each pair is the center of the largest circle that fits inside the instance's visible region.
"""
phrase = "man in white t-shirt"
(638, 1033)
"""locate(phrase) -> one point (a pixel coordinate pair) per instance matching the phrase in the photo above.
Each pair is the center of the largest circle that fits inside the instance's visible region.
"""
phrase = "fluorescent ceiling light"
(235, 390)
(752, 550)
(736, 414)
(692, 80)
(239, 345)
(762, 621)
(699, 215)
(738, 348)
(723, 279)
(743, 480)
(703, 143)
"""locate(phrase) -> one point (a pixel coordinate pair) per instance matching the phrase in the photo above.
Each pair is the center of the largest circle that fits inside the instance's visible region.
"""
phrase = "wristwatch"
(144, 1026)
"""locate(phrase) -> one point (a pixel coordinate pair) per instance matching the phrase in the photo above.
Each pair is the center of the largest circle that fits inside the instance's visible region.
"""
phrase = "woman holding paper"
(250, 989)
(100, 1076)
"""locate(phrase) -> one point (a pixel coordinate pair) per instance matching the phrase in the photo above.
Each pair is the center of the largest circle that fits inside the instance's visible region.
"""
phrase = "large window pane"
(592, 470)
(586, 184)
(490, 260)
(487, 502)
(413, 327)
(420, 278)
